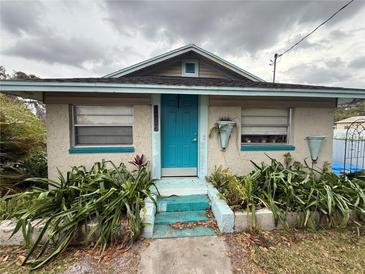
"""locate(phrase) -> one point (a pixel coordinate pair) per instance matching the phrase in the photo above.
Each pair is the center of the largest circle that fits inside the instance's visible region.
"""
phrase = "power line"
(305, 37)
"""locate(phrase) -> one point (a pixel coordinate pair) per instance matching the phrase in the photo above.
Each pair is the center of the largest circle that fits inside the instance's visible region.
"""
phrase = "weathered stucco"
(58, 140)
(306, 121)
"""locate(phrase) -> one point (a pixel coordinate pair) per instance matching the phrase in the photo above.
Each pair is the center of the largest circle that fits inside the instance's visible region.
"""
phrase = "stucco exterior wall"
(306, 121)
(58, 140)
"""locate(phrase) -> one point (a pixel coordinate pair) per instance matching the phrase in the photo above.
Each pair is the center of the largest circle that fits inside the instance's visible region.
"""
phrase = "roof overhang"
(180, 51)
(33, 89)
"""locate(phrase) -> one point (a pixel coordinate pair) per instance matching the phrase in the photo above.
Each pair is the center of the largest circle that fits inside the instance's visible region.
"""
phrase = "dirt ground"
(77, 260)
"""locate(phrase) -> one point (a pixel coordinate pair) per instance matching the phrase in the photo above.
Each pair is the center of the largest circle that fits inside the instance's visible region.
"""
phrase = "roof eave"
(17, 87)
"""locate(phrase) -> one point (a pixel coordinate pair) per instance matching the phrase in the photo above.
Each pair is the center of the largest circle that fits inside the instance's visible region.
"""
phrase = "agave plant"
(105, 194)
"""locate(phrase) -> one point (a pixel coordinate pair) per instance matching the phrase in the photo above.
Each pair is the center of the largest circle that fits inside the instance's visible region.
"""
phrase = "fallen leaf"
(20, 259)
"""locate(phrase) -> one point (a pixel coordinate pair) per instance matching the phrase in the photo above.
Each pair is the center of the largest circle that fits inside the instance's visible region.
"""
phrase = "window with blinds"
(265, 125)
(102, 125)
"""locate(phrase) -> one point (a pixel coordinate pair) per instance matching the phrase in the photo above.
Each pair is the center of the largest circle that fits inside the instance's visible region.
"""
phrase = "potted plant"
(223, 127)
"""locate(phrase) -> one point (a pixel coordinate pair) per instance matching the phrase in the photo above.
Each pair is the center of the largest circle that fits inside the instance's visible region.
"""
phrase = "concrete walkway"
(186, 255)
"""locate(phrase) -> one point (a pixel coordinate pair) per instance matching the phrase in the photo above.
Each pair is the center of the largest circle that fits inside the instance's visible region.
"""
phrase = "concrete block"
(264, 220)
(222, 212)
(148, 217)
(7, 227)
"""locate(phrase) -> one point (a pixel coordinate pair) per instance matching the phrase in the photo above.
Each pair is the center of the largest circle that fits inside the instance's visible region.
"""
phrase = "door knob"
(195, 139)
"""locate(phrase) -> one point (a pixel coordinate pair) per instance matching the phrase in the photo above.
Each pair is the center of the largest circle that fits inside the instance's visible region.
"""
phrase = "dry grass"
(325, 251)
(11, 258)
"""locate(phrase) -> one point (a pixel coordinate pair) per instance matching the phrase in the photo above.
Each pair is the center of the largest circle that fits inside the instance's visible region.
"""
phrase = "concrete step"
(166, 231)
(181, 186)
(183, 203)
(180, 216)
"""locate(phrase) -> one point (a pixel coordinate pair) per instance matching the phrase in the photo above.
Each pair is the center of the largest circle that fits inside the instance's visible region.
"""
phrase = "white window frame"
(73, 126)
(288, 133)
(184, 73)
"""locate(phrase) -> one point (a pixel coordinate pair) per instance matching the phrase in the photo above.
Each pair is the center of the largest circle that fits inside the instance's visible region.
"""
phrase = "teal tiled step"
(166, 231)
(180, 216)
(183, 203)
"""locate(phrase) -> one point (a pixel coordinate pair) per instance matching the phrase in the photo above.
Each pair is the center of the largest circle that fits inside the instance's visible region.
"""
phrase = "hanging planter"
(315, 143)
(224, 128)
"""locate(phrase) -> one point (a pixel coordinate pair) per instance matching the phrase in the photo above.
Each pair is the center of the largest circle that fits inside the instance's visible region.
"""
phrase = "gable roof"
(180, 51)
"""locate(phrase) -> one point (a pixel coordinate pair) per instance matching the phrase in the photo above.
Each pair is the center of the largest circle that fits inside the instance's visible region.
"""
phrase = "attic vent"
(190, 68)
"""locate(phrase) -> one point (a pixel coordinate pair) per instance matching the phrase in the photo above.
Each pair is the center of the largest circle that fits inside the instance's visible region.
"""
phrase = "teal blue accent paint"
(75, 150)
(156, 140)
(266, 147)
(8, 86)
(180, 216)
(179, 131)
(183, 203)
(203, 136)
(166, 231)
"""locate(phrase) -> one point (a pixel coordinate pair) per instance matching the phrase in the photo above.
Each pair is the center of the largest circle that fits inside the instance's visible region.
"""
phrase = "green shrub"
(13, 174)
(105, 193)
(21, 130)
(22, 136)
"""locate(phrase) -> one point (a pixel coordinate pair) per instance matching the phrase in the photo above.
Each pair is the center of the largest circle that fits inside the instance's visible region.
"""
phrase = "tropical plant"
(105, 194)
(139, 161)
(293, 187)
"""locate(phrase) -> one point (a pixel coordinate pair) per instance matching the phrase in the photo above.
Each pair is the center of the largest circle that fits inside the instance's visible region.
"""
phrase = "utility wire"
(320, 25)
(276, 55)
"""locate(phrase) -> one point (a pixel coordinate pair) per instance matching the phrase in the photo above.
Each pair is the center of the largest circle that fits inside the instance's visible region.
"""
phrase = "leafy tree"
(35, 105)
(22, 137)
(355, 108)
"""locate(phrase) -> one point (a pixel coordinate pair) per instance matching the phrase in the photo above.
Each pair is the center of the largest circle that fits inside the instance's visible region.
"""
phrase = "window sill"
(75, 150)
(267, 147)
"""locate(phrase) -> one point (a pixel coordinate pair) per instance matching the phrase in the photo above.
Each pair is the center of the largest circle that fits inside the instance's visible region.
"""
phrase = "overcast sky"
(93, 38)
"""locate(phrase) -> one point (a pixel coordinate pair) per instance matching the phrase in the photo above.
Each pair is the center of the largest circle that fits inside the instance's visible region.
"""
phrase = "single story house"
(164, 108)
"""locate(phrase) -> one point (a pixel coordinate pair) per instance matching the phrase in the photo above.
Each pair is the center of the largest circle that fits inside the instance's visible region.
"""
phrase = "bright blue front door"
(179, 139)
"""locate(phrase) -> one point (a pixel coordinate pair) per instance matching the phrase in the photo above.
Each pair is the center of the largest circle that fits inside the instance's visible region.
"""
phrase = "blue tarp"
(337, 168)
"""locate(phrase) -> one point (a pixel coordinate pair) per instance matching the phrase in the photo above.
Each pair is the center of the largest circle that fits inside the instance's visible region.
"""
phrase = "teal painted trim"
(203, 137)
(75, 150)
(156, 140)
(266, 147)
(29, 86)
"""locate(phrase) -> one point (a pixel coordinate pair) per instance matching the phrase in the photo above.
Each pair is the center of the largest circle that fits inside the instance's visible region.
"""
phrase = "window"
(265, 126)
(190, 68)
(102, 125)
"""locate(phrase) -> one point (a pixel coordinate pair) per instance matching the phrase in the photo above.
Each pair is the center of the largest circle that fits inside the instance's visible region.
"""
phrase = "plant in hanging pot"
(223, 127)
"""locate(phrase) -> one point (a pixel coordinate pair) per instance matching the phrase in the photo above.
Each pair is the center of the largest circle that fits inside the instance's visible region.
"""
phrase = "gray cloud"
(235, 27)
(320, 73)
(57, 49)
(18, 17)
(358, 63)
(232, 29)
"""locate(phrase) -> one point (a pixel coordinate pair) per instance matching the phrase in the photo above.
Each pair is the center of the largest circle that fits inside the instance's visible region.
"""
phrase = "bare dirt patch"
(114, 260)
